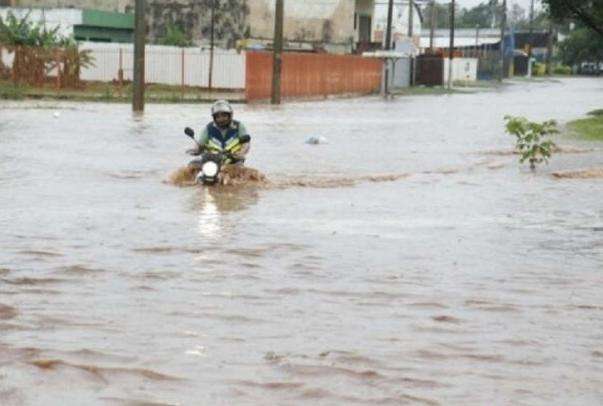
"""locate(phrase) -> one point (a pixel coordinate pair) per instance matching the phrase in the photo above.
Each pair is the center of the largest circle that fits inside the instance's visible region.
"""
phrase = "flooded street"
(407, 260)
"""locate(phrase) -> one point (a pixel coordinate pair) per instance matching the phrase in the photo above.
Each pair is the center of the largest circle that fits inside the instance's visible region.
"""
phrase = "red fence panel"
(310, 75)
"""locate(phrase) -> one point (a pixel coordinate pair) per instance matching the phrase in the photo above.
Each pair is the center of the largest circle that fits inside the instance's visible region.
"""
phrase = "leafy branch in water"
(531, 142)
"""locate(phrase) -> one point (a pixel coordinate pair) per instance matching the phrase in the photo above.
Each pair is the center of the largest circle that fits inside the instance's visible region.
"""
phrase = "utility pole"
(451, 51)
(211, 46)
(549, 49)
(411, 13)
(531, 38)
(477, 41)
(503, 27)
(388, 44)
(277, 57)
(139, 43)
(433, 16)
(411, 6)
(531, 30)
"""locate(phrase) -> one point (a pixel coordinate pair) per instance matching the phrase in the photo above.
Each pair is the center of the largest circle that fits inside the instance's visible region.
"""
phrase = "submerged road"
(408, 260)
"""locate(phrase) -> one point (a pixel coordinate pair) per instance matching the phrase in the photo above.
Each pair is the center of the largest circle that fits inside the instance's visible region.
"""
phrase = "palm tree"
(39, 50)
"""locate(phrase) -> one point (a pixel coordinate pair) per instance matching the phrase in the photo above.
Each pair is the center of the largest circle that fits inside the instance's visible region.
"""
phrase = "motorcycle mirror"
(245, 139)
(189, 131)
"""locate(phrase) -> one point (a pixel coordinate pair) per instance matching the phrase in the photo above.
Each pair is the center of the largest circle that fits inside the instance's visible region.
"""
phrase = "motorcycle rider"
(222, 134)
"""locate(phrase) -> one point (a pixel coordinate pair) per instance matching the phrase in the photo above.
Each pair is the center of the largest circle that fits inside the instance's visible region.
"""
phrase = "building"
(83, 25)
(323, 23)
(103, 5)
(463, 38)
(401, 20)
(339, 26)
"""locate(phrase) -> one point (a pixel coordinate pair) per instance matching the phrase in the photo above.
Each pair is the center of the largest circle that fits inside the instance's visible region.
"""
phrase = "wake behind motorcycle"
(210, 165)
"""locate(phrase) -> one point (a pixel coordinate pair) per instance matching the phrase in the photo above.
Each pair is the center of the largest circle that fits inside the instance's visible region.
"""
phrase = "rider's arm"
(201, 140)
(202, 137)
(240, 154)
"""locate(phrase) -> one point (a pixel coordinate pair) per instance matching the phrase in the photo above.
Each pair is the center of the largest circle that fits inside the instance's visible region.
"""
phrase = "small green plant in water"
(531, 143)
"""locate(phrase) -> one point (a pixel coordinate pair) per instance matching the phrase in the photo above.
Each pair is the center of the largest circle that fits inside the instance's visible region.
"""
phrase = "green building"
(104, 26)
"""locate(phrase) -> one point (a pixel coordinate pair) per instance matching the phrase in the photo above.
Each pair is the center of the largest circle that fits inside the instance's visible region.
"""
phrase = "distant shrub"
(539, 69)
(562, 70)
(12, 91)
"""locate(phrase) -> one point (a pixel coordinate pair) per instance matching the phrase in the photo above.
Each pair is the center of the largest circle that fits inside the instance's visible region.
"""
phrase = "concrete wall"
(400, 73)
(463, 69)
(195, 19)
(400, 21)
(320, 21)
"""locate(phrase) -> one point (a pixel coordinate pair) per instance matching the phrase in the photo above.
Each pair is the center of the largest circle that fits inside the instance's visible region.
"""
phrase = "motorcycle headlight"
(210, 169)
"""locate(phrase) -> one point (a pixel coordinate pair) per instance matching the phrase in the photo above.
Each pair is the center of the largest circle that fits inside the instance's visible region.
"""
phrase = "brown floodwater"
(406, 260)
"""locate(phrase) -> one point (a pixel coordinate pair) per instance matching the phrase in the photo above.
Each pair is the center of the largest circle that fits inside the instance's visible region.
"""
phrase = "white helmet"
(221, 106)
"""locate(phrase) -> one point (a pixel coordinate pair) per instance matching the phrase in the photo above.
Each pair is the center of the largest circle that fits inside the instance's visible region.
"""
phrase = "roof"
(444, 42)
(386, 54)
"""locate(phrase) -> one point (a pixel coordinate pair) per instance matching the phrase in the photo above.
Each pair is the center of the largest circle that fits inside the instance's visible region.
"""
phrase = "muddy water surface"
(398, 263)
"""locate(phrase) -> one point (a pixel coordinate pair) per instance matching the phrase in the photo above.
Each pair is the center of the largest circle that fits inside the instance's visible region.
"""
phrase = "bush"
(38, 51)
(530, 143)
(539, 69)
(562, 70)
(175, 36)
(12, 92)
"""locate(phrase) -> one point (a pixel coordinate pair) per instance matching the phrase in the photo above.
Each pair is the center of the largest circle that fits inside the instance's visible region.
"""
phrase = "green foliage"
(174, 36)
(39, 51)
(590, 128)
(539, 69)
(483, 15)
(530, 139)
(22, 32)
(582, 45)
(11, 91)
(587, 12)
(562, 70)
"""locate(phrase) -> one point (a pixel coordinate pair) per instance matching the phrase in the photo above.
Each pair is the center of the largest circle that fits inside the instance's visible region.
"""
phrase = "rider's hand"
(194, 151)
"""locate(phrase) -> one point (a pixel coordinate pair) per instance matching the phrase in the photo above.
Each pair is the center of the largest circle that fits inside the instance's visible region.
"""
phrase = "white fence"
(163, 65)
(167, 65)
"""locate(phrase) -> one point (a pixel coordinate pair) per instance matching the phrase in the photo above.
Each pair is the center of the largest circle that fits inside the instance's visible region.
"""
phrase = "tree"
(540, 23)
(37, 51)
(484, 15)
(582, 45)
(175, 36)
(442, 15)
(589, 12)
(517, 15)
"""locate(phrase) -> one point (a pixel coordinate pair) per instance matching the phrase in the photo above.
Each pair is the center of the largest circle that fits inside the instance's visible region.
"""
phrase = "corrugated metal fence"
(308, 75)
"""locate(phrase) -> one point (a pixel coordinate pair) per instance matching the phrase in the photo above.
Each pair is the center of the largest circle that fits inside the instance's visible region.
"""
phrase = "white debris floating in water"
(316, 140)
(56, 114)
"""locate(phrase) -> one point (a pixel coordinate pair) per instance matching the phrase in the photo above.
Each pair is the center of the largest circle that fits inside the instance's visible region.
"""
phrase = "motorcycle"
(212, 161)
